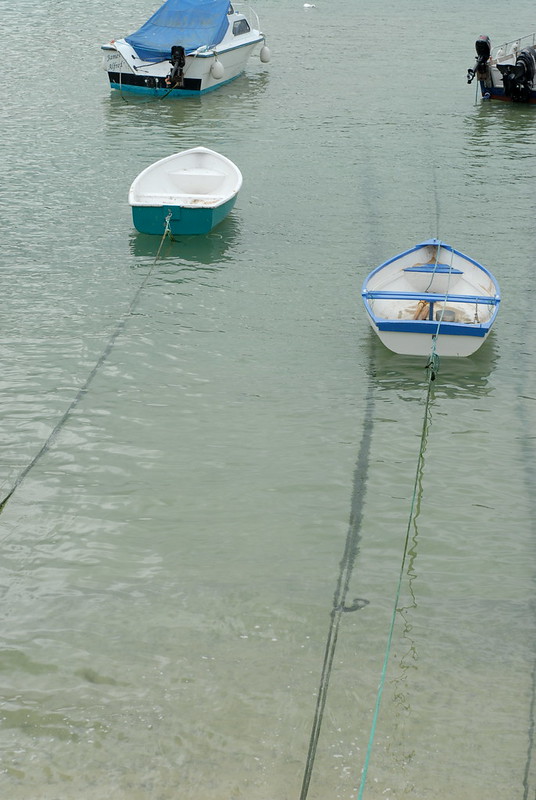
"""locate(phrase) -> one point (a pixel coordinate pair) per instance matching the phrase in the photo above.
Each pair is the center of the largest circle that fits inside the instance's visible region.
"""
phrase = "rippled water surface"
(187, 460)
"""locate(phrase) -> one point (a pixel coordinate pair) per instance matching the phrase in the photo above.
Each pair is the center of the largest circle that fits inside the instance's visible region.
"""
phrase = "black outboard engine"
(483, 50)
(518, 78)
(178, 60)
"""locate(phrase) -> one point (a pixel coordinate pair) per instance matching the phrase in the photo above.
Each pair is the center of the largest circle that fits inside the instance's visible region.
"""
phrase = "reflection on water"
(499, 138)
(506, 120)
(210, 249)
(467, 377)
(198, 114)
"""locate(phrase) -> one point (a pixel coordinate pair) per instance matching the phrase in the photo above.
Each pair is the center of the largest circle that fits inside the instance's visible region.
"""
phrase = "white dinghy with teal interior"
(186, 48)
(431, 294)
(189, 192)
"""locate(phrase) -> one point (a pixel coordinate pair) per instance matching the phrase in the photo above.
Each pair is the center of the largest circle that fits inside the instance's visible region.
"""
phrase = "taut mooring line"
(530, 735)
(432, 367)
(84, 388)
(529, 473)
(351, 550)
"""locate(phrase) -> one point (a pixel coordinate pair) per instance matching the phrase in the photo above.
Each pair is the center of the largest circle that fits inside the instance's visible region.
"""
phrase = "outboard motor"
(518, 78)
(483, 50)
(178, 60)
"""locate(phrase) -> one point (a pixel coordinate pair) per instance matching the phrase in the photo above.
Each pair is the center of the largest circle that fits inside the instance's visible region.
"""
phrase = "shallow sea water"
(168, 563)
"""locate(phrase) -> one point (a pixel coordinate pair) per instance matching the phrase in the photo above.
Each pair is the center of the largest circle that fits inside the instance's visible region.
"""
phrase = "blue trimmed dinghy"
(187, 48)
(195, 189)
(431, 292)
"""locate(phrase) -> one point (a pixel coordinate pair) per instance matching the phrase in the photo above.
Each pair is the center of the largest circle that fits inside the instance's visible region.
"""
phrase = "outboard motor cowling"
(518, 78)
(178, 60)
(483, 50)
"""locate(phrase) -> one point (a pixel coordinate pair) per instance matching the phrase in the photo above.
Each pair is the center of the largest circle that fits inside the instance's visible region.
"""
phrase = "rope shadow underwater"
(347, 565)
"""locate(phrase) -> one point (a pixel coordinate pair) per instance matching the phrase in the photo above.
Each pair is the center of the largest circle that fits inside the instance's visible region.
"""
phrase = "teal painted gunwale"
(184, 221)
(144, 90)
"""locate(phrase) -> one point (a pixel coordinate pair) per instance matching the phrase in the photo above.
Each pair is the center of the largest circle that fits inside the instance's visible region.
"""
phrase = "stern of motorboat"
(518, 79)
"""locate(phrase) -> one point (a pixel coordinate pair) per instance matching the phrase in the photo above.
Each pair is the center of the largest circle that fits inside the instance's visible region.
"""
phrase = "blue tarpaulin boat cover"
(190, 23)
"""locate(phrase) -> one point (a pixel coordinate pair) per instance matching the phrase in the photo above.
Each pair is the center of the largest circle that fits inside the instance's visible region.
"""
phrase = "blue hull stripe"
(431, 327)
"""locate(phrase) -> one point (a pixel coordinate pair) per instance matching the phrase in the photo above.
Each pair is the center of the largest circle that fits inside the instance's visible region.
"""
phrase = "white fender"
(217, 70)
(265, 55)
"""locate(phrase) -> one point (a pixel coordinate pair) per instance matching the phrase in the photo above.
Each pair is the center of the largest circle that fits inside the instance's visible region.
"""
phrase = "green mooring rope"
(432, 367)
(98, 364)
(346, 568)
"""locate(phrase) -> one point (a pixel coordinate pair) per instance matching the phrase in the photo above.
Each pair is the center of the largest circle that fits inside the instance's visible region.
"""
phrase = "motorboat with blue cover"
(187, 47)
(190, 192)
(431, 295)
(506, 72)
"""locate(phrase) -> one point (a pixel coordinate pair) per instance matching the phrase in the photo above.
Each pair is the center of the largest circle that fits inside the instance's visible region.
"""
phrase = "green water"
(169, 562)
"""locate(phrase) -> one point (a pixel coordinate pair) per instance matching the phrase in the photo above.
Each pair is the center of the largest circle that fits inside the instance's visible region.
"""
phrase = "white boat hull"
(420, 344)
(146, 78)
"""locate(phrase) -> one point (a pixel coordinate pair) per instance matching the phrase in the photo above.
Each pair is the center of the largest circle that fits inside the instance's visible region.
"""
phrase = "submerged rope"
(529, 474)
(351, 550)
(432, 367)
(84, 388)
(530, 734)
